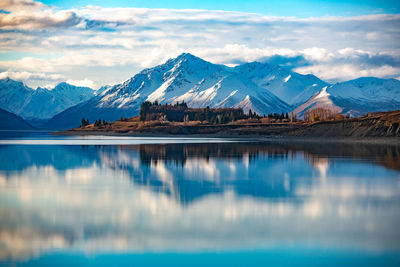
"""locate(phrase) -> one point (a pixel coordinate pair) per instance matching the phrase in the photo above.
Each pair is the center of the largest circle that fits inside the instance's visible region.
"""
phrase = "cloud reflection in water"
(188, 197)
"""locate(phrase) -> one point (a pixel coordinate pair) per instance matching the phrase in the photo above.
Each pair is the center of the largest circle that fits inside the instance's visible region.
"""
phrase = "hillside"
(373, 125)
(356, 97)
(261, 87)
(384, 124)
(10, 121)
(199, 83)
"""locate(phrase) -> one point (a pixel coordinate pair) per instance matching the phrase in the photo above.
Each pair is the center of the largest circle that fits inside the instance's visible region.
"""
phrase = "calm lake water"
(107, 201)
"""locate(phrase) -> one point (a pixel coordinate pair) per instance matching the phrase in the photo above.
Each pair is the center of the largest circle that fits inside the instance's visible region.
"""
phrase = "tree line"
(99, 122)
(180, 112)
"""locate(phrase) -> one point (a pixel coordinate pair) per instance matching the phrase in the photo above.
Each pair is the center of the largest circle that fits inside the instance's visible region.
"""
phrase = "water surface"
(157, 201)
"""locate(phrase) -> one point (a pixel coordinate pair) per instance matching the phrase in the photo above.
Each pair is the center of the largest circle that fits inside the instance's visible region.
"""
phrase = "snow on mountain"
(356, 97)
(186, 78)
(257, 86)
(291, 87)
(40, 104)
(13, 95)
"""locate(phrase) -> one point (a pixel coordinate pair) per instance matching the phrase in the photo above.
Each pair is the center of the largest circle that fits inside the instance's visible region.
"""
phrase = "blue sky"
(301, 9)
(94, 43)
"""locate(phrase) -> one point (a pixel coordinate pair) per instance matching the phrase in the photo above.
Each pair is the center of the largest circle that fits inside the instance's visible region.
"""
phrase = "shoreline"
(242, 137)
(377, 128)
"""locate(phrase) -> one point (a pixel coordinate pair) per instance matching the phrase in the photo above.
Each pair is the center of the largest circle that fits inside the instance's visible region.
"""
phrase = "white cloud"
(109, 45)
(83, 83)
(331, 72)
(24, 75)
(317, 54)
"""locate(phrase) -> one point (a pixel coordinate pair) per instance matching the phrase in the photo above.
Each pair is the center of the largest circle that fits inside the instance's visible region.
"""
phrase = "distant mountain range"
(257, 86)
(40, 104)
(356, 97)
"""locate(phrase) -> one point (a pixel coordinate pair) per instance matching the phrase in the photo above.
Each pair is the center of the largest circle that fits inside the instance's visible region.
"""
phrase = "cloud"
(17, 5)
(104, 202)
(83, 83)
(32, 15)
(29, 75)
(330, 72)
(109, 45)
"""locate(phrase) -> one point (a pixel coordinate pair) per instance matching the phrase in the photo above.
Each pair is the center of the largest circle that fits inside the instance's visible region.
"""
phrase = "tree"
(250, 114)
(144, 109)
(207, 113)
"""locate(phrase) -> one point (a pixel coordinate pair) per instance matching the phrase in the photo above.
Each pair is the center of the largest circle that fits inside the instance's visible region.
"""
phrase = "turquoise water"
(196, 202)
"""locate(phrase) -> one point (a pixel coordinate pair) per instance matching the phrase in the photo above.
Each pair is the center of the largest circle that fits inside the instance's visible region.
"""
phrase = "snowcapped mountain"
(13, 95)
(291, 87)
(195, 81)
(257, 86)
(40, 104)
(356, 97)
(186, 78)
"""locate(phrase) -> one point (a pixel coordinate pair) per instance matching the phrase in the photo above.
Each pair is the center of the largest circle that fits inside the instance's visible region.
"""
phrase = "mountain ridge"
(185, 78)
(356, 97)
(41, 103)
(258, 86)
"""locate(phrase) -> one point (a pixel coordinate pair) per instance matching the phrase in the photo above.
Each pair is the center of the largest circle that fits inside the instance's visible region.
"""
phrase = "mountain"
(10, 121)
(291, 87)
(186, 78)
(356, 97)
(40, 104)
(261, 87)
(13, 95)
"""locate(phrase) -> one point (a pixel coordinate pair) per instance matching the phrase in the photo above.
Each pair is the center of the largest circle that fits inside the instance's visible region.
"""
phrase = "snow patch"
(159, 94)
(287, 78)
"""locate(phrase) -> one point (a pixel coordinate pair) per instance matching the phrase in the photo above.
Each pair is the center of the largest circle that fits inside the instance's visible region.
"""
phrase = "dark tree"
(83, 122)
(144, 109)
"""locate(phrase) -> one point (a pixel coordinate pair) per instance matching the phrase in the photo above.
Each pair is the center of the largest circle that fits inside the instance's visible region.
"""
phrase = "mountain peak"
(188, 59)
(63, 85)
(8, 80)
(187, 56)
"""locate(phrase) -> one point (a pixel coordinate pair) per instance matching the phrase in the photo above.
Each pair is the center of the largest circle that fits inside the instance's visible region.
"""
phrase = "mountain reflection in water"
(197, 197)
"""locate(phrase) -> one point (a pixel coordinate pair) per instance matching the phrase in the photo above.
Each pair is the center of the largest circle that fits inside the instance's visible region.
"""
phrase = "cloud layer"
(108, 45)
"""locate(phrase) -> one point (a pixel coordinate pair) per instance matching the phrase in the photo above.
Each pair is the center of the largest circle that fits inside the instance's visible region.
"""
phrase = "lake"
(118, 201)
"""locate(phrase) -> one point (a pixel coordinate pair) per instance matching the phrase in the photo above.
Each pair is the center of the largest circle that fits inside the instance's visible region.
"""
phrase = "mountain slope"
(40, 104)
(13, 95)
(291, 87)
(356, 97)
(10, 121)
(186, 78)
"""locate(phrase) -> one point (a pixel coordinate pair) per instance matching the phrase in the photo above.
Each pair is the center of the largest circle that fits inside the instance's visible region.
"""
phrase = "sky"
(97, 42)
